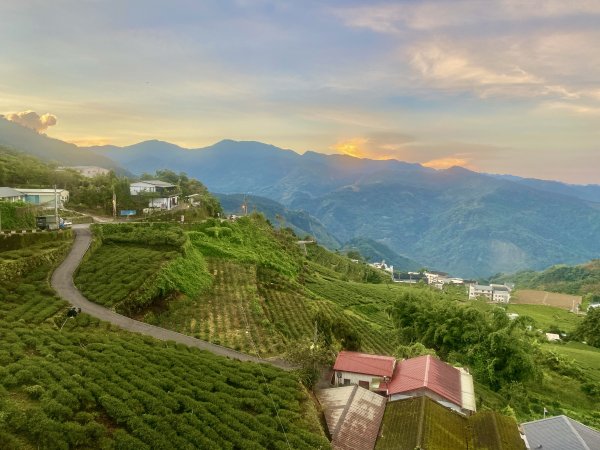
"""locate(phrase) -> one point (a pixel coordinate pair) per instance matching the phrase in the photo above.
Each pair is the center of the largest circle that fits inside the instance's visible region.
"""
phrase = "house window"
(346, 381)
(364, 384)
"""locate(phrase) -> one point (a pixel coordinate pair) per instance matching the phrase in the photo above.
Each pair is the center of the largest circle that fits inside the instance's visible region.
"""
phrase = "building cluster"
(383, 266)
(87, 171)
(377, 401)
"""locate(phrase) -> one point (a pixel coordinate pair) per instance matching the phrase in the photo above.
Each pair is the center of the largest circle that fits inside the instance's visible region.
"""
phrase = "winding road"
(62, 282)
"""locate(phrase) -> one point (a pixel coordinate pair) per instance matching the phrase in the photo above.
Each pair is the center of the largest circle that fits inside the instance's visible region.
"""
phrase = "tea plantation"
(89, 385)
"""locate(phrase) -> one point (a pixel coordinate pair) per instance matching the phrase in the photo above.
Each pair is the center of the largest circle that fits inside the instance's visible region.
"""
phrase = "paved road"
(62, 282)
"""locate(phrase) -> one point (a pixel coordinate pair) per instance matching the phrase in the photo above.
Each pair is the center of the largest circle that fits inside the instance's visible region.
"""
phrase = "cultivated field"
(535, 297)
(548, 317)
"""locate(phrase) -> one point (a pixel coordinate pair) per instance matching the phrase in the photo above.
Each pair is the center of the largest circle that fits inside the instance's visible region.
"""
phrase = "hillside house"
(498, 293)
(89, 171)
(161, 194)
(10, 195)
(367, 371)
(46, 198)
(430, 377)
(421, 376)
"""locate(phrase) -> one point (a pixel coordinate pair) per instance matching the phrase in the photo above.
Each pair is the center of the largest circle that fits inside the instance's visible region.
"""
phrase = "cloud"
(33, 120)
(449, 161)
(375, 145)
(394, 17)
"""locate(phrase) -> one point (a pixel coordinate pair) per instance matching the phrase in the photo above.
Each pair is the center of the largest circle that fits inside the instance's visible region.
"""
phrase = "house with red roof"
(367, 371)
(428, 376)
(422, 376)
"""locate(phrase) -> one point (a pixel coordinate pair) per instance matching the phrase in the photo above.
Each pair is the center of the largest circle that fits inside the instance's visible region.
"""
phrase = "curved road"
(62, 282)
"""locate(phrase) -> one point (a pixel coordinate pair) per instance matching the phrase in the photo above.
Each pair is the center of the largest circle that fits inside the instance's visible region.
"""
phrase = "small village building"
(365, 370)
(46, 198)
(161, 194)
(353, 415)
(552, 337)
(498, 293)
(89, 171)
(428, 376)
(11, 195)
(560, 433)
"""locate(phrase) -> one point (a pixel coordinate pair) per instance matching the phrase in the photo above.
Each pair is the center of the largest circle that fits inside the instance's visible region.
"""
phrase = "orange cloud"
(447, 162)
(352, 147)
(33, 120)
(382, 145)
(88, 141)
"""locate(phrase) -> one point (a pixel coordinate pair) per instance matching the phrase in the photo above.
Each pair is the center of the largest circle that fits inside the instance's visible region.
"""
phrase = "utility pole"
(114, 203)
(56, 206)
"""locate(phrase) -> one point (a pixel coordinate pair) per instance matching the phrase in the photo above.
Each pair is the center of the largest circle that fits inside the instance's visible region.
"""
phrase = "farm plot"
(115, 270)
(548, 318)
(535, 297)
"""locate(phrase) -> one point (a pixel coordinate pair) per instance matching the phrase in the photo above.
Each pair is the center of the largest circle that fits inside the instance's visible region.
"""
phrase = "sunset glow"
(508, 86)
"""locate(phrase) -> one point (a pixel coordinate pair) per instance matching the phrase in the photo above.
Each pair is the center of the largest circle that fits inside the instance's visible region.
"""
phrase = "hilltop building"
(161, 194)
(497, 293)
(46, 198)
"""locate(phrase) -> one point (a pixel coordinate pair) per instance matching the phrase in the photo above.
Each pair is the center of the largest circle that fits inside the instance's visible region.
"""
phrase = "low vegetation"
(91, 386)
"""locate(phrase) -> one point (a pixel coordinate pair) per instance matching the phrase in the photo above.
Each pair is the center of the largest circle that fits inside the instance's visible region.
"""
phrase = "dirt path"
(62, 282)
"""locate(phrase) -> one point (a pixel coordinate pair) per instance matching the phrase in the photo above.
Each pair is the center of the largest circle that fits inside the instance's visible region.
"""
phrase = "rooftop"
(377, 365)
(157, 183)
(561, 433)
(420, 422)
(6, 192)
(353, 415)
(40, 191)
(427, 372)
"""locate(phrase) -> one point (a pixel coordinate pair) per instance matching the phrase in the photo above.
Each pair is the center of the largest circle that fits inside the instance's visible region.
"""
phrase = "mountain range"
(467, 223)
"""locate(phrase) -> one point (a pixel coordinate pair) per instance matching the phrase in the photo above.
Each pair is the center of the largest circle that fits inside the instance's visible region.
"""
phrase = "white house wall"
(355, 378)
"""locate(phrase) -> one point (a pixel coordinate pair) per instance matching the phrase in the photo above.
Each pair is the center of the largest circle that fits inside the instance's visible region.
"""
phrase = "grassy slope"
(547, 317)
(91, 386)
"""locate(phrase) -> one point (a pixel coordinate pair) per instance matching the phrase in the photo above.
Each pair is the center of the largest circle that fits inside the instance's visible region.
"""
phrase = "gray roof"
(6, 192)
(561, 433)
(158, 183)
(353, 415)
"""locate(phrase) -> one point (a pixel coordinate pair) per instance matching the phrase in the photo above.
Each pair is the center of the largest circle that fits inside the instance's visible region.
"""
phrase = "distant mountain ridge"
(466, 223)
(463, 222)
(23, 139)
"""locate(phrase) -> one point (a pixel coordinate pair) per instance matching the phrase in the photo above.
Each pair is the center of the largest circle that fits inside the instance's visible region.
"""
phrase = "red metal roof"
(377, 365)
(427, 372)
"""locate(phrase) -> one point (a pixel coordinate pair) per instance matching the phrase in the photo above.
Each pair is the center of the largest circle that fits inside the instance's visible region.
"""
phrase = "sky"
(500, 86)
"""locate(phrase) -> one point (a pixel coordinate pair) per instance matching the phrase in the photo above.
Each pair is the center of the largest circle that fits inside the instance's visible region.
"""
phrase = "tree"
(589, 329)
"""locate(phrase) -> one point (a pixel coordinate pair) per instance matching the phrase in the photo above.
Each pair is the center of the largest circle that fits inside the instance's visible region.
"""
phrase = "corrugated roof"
(420, 422)
(427, 372)
(353, 415)
(382, 366)
(7, 192)
(158, 183)
(561, 433)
